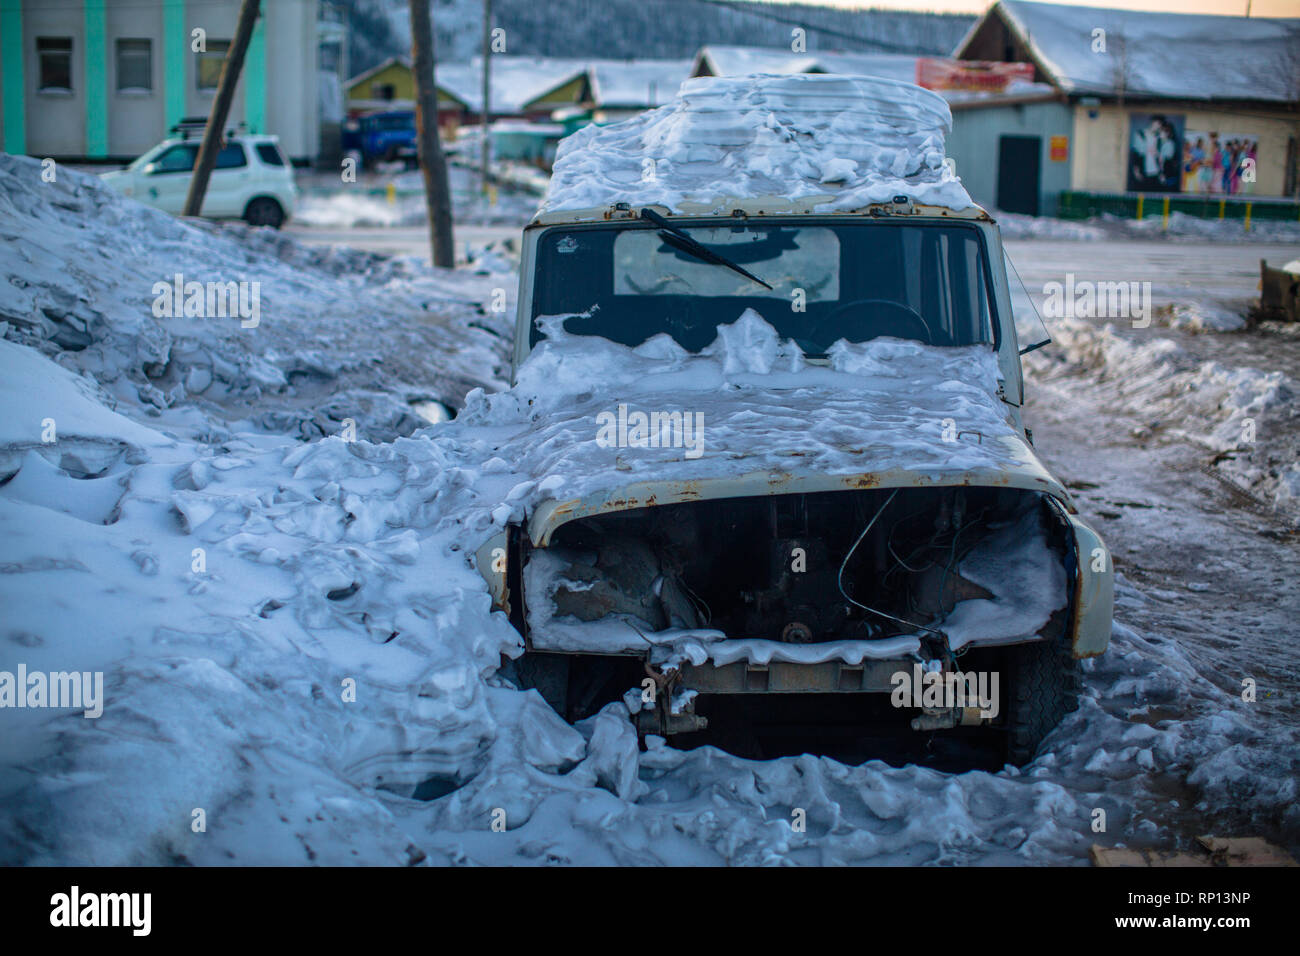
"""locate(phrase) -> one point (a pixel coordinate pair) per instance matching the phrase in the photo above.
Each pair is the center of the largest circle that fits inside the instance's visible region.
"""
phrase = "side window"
(268, 154)
(210, 61)
(1030, 330)
(178, 159)
(232, 156)
(54, 56)
(134, 66)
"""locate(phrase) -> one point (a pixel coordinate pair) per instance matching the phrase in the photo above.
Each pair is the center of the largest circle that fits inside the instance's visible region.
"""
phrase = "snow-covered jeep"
(777, 418)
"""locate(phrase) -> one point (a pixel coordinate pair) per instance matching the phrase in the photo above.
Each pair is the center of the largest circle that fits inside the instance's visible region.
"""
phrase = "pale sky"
(1258, 8)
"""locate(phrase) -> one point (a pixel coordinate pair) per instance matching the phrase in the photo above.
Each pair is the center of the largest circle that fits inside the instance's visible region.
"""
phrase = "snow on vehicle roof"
(1180, 55)
(856, 140)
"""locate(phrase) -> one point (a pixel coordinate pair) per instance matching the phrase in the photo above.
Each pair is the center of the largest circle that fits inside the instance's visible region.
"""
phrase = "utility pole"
(214, 134)
(485, 140)
(433, 164)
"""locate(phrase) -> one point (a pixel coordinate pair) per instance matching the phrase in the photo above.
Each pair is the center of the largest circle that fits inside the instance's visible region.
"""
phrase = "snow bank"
(855, 140)
(89, 277)
(346, 210)
(1017, 226)
(1205, 316)
(1179, 227)
(1247, 416)
(1183, 226)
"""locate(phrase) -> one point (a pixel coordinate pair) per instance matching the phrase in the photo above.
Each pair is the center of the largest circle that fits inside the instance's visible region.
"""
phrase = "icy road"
(323, 684)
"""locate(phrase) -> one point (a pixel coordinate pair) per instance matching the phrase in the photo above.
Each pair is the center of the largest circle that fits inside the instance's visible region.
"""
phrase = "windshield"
(396, 121)
(145, 158)
(828, 281)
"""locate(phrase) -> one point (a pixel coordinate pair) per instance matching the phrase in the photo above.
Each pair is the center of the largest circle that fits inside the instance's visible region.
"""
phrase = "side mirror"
(150, 169)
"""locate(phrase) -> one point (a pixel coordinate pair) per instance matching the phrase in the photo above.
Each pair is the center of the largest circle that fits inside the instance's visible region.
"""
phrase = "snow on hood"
(754, 404)
(856, 140)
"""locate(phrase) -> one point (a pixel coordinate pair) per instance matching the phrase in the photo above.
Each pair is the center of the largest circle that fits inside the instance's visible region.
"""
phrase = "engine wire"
(839, 579)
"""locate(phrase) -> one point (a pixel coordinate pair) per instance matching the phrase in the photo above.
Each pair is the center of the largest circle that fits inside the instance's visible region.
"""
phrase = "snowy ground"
(329, 203)
(329, 564)
(1179, 228)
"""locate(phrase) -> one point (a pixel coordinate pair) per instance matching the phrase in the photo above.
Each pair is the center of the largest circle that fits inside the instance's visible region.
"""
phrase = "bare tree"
(437, 195)
(214, 134)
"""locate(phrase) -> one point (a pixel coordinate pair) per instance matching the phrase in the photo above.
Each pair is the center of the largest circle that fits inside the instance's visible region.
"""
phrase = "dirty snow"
(1247, 416)
(330, 561)
(1179, 227)
(79, 276)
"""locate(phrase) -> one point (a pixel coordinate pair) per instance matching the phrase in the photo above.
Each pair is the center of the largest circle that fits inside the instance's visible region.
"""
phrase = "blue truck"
(387, 136)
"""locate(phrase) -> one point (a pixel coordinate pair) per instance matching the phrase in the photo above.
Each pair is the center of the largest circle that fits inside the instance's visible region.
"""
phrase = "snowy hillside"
(621, 29)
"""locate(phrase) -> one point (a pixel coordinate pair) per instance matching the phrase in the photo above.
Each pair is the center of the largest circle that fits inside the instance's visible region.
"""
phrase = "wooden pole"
(214, 134)
(485, 140)
(433, 164)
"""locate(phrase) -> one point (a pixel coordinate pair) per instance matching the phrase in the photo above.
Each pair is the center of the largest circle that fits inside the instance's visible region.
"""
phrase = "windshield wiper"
(678, 239)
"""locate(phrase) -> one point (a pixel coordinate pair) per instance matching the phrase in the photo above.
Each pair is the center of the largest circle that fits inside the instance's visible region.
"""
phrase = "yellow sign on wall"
(1059, 149)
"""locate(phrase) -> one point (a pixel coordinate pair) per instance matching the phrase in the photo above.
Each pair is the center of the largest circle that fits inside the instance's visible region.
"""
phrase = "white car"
(251, 180)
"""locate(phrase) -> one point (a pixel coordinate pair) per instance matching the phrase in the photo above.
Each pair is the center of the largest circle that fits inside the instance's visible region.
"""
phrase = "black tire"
(1044, 687)
(264, 211)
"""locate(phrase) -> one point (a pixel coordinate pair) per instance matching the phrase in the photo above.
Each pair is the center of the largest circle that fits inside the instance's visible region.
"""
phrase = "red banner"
(981, 75)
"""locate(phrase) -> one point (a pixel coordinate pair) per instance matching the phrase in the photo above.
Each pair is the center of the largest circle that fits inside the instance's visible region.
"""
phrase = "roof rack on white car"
(195, 125)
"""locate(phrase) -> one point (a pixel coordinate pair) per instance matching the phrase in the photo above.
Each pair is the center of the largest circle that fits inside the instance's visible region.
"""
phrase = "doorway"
(1019, 169)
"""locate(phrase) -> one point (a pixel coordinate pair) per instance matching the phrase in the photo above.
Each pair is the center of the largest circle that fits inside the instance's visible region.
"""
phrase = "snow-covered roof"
(516, 80)
(1164, 55)
(519, 80)
(855, 140)
(1017, 91)
(377, 68)
(524, 127)
(740, 60)
(892, 66)
(636, 83)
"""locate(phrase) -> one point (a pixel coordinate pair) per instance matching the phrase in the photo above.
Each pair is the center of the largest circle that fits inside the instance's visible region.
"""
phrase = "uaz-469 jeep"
(807, 498)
